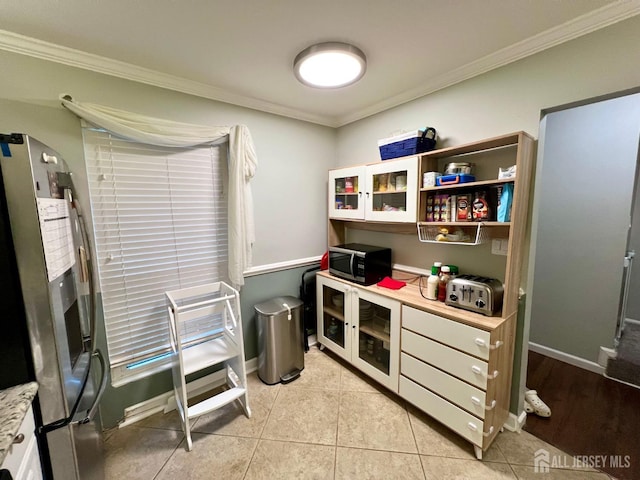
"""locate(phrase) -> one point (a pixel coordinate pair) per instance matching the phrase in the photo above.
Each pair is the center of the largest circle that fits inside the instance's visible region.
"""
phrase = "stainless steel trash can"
(280, 340)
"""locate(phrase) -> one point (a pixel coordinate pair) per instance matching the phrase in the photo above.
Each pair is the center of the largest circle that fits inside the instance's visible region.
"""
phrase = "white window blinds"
(160, 223)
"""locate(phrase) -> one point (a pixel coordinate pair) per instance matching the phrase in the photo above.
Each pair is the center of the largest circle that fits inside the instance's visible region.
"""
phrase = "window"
(160, 223)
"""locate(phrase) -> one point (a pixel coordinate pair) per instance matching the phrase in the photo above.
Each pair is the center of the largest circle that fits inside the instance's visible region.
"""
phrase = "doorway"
(583, 225)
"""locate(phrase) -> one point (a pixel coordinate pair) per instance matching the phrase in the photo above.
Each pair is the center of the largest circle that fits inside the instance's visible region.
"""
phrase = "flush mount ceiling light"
(330, 65)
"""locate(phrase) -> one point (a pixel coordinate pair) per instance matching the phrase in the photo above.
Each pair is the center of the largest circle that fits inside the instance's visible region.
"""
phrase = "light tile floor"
(331, 423)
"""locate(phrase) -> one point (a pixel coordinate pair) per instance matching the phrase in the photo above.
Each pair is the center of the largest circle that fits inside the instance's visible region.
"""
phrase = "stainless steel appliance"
(364, 264)
(48, 332)
(478, 294)
(280, 340)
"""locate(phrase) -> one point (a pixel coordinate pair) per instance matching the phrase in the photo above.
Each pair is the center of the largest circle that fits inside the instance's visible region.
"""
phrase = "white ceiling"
(242, 51)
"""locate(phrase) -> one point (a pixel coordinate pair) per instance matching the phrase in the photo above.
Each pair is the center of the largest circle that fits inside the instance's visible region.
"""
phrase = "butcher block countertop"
(410, 295)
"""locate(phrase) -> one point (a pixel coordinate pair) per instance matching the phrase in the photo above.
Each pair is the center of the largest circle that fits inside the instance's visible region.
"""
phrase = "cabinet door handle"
(367, 194)
(476, 401)
(478, 371)
(480, 342)
(19, 438)
(473, 426)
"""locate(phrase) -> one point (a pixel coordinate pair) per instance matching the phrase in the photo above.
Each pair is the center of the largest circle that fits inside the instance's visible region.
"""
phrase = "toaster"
(478, 294)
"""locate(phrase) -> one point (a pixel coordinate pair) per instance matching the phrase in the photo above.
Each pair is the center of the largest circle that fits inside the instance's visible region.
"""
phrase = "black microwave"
(359, 263)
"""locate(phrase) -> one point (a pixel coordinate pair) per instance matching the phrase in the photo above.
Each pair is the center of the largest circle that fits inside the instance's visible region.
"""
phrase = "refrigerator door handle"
(103, 385)
(63, 422)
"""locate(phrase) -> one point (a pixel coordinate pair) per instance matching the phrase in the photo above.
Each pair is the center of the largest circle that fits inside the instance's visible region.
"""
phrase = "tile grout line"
(183, 439)
(253, 455)
(406, 407)
(259, 439)
(335, 450)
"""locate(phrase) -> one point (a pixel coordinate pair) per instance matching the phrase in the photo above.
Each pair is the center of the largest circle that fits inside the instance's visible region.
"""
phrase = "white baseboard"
(567, 358)
(515, 422)
(166, 401)
(604, 355)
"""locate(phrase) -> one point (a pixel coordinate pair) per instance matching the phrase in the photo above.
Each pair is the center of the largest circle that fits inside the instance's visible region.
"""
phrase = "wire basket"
(473, 234)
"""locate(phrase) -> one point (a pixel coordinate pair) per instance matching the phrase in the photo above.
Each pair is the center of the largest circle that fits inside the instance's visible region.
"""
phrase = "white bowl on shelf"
(337, 300)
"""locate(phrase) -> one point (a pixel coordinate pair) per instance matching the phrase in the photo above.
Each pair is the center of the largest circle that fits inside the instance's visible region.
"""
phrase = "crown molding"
(575, 28)
(23, 45)
(579, 26)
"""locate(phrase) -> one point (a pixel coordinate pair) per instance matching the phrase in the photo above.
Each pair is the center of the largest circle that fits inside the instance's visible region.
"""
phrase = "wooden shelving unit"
(490, 341)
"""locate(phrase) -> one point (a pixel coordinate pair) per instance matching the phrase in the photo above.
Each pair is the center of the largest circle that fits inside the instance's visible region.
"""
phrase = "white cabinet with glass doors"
(384, 191)
(361, 327)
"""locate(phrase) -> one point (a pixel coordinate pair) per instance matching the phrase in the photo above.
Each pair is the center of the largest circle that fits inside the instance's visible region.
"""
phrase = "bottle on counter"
(442, 284)
(432, 284)
(438, 266)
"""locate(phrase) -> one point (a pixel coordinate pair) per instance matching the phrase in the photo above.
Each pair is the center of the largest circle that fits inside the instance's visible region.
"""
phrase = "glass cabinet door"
(376, 346)
(346, 193)
(374, 332)
(334, 316)
(391, 193)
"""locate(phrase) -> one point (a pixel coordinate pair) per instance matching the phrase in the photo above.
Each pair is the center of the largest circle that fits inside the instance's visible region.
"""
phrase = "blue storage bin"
(418, 141)
(455, 179)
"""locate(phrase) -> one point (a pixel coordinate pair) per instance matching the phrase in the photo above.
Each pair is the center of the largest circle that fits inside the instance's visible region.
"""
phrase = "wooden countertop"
(410, 295)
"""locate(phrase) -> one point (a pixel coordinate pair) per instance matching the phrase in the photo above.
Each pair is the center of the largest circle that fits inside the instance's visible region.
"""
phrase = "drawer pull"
(480, 342)
(19, 438)
(478, 371)
(476, 401)
(474, 427)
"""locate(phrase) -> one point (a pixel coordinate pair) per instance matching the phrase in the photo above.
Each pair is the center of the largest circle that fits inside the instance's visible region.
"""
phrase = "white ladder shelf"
(206, 309)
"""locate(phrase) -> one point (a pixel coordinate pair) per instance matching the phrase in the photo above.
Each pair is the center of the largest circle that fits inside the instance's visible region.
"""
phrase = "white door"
(334, 316)
(375, 342)
(392, 191)
(346, 193)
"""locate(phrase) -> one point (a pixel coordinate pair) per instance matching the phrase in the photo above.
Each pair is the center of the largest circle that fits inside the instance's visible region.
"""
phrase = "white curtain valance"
(157, 131)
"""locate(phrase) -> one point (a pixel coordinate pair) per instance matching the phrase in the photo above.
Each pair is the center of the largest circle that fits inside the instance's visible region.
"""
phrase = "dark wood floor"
(590, 414)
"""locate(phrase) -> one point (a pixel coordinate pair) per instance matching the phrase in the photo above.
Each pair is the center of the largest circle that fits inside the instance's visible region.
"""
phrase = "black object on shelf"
(308, 296)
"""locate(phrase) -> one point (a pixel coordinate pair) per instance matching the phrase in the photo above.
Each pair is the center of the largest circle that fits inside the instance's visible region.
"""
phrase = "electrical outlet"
(500, 246)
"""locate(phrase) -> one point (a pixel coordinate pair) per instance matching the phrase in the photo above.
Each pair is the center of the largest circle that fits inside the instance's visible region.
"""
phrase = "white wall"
(510, 98)
(289, 188)
(502, 101)
(505, 100)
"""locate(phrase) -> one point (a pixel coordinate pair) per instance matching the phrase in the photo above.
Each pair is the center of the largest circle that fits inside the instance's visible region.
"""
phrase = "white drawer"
(471, 340)
(454, 390)
(458, 364)
(455, 418)
(17, 451)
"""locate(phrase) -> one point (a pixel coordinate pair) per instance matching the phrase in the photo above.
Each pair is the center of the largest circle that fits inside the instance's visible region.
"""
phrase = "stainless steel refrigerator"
(47, 327)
